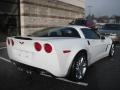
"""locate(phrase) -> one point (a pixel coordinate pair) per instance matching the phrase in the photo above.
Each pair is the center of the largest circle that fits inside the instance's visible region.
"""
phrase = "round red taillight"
(48, 48)
(12, 42)
(8, 41)
(37, 46)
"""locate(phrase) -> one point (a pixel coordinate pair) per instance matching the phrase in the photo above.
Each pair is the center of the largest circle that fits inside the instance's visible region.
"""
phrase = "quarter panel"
(74, 45)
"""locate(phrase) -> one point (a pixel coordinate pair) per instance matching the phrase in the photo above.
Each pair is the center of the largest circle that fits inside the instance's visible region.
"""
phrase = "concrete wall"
(79, 3)
(38, 14)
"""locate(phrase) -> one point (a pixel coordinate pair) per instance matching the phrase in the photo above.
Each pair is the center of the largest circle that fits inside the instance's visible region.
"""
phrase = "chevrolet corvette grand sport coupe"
(61, 51)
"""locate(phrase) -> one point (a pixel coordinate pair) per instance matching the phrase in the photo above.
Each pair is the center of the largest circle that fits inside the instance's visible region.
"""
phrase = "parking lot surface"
(105, 74)
(102, 75)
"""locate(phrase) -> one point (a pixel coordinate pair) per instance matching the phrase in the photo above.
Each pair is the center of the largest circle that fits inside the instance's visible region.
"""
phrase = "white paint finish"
(57, 62)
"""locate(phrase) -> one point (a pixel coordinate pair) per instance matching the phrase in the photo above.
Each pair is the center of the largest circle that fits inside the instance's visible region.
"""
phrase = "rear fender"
(72, 57)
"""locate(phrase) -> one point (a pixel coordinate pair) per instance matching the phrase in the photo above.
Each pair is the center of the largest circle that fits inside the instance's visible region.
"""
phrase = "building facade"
(38, 14)
(9, 18)
(23, 17)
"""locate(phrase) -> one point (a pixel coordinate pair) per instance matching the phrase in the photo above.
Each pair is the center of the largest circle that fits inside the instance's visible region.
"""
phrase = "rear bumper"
(49, 63)
(30, 68)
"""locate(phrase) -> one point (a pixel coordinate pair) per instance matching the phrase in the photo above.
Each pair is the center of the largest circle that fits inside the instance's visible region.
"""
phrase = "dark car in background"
(84, 22)
(111, 30)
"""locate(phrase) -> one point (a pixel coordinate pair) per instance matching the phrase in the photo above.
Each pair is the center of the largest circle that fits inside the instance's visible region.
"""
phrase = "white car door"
(96, 45)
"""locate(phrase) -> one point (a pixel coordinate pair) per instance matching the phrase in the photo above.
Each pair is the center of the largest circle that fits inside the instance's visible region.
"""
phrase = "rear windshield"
(56, 32)
(111, 27)
(43, 32)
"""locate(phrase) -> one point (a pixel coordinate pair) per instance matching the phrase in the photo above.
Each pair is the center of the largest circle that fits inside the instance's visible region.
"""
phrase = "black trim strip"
(23, 38)
(88, 42)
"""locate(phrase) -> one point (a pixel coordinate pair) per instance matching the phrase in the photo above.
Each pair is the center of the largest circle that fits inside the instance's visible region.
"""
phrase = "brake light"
(37, 46)
(48, 48)
(8, 41)
(12, 42)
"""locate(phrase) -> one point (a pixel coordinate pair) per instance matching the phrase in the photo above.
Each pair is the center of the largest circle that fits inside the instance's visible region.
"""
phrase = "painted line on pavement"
(2, 48)
(65, 80)
(46, 75)
(78, 83)
(7, 60)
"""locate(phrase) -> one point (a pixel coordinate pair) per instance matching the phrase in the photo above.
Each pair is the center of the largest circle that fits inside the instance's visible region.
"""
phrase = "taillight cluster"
(47, 47)
(10, 42)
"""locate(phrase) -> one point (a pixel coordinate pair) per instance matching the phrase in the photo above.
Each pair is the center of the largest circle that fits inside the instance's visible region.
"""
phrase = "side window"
(90, 34)
(69, 32)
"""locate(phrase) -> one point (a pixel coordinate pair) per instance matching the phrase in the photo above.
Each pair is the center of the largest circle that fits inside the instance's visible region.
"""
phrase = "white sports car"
(62, 51)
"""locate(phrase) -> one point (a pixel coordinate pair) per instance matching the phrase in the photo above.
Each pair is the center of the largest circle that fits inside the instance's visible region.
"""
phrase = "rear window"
(56, 32)
(111, 27)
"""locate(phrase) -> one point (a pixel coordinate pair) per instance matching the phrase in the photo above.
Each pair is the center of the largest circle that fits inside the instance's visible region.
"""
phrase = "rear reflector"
(48, 48)
(37, 46)
(66, 51)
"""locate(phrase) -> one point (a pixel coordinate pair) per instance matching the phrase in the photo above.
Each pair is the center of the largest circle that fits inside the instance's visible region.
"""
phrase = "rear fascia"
(42, 60)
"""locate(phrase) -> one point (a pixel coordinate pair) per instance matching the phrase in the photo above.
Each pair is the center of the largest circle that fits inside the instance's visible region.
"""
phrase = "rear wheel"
(79, 67)
(112, 50)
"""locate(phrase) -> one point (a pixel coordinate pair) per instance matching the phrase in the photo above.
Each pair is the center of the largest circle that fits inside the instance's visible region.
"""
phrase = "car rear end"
(33, 52)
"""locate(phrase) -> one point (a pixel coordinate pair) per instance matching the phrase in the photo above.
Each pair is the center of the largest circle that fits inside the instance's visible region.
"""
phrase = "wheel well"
(81, 51)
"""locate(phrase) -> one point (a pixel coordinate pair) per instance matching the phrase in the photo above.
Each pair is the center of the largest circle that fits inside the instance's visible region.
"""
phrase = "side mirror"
(102, 37)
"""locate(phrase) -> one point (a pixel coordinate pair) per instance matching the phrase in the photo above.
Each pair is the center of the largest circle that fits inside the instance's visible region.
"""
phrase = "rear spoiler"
(23, 38)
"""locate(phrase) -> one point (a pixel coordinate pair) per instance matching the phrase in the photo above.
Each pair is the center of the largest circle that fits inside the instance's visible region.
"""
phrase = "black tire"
(112, 50)
(79, 67)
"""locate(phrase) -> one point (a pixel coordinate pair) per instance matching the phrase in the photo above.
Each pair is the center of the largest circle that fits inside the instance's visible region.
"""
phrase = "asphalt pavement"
(105, 74)
(102, 75)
